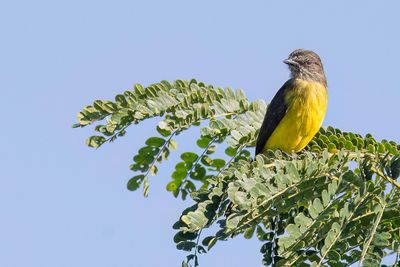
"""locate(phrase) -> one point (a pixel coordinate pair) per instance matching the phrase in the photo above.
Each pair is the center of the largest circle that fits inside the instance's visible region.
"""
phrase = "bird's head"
(306, 65)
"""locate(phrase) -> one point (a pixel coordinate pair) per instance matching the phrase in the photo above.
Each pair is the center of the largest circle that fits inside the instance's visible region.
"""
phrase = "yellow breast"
(306, 110)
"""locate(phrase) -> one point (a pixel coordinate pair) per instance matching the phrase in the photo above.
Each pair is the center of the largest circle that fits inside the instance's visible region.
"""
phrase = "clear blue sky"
(64, 204)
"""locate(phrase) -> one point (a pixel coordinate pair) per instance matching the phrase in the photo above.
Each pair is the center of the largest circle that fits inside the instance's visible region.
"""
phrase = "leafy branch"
(336, 204)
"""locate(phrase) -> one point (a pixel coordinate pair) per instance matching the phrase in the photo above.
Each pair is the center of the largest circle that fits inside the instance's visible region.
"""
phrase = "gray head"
(306, 65)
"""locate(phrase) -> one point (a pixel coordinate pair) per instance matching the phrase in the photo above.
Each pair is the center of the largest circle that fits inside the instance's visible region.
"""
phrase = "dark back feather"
(275, 112)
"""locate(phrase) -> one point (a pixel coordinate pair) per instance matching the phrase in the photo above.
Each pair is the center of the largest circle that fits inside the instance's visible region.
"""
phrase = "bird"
(297, 110)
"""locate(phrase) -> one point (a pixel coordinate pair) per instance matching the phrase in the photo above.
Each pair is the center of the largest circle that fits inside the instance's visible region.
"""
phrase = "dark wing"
(275, 112)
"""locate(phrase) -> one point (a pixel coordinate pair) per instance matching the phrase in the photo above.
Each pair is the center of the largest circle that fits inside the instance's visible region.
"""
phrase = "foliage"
(335, 204)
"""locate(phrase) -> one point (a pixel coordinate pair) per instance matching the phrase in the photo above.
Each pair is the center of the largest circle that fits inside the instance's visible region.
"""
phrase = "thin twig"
(343, 224)
(237, 153)
(197, 245)
(197, 161)
(387, 178)
(376, 223)
(114, 135)
(159, 153)
(275, 238)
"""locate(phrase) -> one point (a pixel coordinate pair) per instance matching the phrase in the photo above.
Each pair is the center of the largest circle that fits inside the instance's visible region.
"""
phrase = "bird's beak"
(290, 62)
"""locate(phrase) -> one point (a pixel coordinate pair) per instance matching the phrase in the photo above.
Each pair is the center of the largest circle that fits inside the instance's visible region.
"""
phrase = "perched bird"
(296, 112)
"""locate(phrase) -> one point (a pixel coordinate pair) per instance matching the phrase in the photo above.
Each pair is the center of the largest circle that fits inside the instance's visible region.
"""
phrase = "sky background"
(64, 204)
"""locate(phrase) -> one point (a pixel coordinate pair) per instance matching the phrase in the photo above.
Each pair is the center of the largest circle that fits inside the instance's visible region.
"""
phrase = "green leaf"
(209, 241)
(211, 149)
(186, 245)
(334, 255)
(95, 141)
(139, 89)
(302, 222)
(318, 205)
(231, 151)
(135, 182)
(293, 231)
(248, 234)
(173, 185)
(172, 144)
(325, 198)
(195, 220)
(198, 173)
(121, 100)
(382, 239)
(184, 236)
(218, 163)
(180, 171)
(163, 128)
(153, 170)
(332, 148)
(155, 142)
(206, 160)
(203, 142)
(261, 235)
(189, 157)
